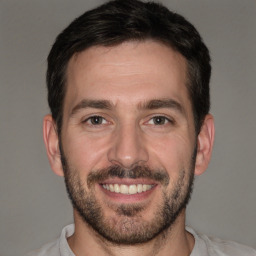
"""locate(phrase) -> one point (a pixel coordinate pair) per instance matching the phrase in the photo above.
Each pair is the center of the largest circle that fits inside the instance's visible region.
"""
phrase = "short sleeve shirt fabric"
(204, 246)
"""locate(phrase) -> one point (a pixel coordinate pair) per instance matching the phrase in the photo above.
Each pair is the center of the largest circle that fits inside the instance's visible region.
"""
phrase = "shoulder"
(221, 247)
(57, 248)
(210, 246)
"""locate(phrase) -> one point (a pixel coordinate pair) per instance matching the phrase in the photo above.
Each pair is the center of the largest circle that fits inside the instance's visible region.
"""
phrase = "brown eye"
(159, 120)
(96, 120)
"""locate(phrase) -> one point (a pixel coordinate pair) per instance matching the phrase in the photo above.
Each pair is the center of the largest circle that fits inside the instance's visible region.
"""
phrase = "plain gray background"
(33, 201)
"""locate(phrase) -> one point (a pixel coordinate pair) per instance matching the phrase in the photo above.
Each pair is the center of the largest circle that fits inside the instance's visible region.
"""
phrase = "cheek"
(173, 153)
(86, 153)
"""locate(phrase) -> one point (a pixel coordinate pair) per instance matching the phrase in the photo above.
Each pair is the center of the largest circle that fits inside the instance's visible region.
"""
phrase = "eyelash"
(166, 120)
(103, 121)
(89, 119)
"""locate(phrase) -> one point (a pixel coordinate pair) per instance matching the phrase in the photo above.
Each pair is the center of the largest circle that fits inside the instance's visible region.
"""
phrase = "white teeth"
(132, 189)
(127, 190)
(111, 187)
(139, 188)
(124, 189)
(145, 187)
(117, 188)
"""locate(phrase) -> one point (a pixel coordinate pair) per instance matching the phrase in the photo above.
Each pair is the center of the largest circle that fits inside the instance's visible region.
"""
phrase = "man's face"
(128, 140)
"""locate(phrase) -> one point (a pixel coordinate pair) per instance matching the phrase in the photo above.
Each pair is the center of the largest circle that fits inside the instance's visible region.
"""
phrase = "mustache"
(116, 171)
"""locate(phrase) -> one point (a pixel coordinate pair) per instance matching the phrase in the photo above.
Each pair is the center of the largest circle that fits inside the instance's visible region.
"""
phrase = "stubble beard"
(128, 227)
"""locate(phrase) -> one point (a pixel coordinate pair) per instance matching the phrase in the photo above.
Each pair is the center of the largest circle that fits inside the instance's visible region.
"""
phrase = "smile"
(127, 189)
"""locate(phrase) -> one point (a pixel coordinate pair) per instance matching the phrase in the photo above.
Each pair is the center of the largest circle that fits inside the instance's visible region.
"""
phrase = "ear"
(205, 142)
(51, 141)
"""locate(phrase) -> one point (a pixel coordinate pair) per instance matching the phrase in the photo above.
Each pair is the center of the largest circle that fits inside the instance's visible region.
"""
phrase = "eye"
(159, 120)
(96, 120)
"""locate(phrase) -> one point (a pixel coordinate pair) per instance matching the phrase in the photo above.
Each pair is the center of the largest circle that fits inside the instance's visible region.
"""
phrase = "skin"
(128, 76)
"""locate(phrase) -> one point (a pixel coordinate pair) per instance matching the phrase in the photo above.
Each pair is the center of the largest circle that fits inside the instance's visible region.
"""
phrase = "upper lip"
(128, 181)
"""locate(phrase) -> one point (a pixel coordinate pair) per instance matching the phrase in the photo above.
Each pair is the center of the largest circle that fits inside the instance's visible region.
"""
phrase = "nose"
(128, 148)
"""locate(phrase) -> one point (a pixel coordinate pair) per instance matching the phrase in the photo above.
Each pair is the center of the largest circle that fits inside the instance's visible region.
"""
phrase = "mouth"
(125, 189)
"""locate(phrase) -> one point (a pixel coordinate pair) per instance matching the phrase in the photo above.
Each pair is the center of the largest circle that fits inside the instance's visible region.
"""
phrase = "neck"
(174, 241)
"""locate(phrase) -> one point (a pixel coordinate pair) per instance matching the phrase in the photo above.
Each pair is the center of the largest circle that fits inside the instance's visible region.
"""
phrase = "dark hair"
(118, 21)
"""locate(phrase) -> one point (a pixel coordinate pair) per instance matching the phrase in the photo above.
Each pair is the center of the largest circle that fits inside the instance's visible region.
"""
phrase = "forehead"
(129, 72)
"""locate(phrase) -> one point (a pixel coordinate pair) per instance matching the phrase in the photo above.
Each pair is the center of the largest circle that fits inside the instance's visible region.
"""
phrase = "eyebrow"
(98, 104)
(162, 103)
(147, 105)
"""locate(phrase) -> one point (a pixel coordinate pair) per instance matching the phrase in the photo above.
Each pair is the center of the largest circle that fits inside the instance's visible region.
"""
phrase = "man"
(128, 89)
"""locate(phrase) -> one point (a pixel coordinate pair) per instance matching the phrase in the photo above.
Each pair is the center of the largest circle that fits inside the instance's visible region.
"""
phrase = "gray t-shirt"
(204, 246)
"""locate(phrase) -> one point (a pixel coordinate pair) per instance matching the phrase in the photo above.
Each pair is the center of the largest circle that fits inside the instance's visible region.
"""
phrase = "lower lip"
(124, 198)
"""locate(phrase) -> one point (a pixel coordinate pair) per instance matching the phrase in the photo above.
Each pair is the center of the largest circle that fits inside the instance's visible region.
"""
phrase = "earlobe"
(205, 142)
(51, 141)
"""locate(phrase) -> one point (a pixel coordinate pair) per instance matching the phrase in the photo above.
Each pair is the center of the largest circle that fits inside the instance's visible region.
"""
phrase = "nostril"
(127, 164)
(127, 147)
